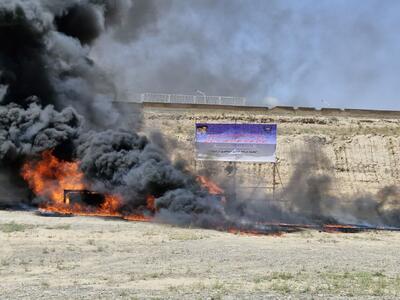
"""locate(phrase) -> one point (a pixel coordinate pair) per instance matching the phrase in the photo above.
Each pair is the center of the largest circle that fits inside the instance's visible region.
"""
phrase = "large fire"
(50, 177)
(55, 180)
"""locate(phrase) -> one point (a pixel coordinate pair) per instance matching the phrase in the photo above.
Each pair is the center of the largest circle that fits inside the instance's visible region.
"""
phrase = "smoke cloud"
(272, 52)
(25, 132)
(310, 198)
(55, 96)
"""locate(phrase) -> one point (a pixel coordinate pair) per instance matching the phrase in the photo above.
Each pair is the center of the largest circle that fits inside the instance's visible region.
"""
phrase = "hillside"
(359, 149)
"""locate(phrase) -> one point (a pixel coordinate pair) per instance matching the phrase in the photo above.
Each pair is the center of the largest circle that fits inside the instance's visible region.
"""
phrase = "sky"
(321, 53)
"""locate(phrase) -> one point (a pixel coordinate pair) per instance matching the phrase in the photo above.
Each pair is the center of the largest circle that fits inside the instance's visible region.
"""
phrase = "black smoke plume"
(57, 98)
(79, 21)
(54, 96)
(22, 63)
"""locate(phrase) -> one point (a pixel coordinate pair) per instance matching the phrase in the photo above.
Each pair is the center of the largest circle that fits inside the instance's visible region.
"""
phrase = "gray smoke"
(54, 96)
(298, 52)
(310, 198)
(30, 131)
(312, 195)
(130, 165)
(44, 53)
(45, 71)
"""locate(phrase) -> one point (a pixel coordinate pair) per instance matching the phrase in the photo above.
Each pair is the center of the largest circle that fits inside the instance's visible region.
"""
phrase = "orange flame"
(211, 186)
(50, 176)
(150, 200)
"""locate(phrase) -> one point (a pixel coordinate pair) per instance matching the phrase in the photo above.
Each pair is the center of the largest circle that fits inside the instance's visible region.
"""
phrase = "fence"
(189, 99)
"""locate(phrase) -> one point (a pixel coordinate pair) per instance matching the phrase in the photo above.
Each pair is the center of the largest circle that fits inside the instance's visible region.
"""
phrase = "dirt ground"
(95, 258)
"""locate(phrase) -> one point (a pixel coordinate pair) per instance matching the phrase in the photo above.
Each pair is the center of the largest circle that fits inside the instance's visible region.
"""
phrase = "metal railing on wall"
(188, 99)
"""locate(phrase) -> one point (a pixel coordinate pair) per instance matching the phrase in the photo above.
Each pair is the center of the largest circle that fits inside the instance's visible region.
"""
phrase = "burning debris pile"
(46, 79)
(64, 148)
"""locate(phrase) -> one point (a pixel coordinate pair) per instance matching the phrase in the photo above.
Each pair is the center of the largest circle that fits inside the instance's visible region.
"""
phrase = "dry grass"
(14, 227)
(331, 283)
(82, 258)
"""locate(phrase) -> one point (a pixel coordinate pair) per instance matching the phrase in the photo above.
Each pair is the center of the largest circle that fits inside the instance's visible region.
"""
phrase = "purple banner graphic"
(236, 142)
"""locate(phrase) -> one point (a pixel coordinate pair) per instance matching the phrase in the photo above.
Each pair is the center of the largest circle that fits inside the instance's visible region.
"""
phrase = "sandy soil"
(86, 257)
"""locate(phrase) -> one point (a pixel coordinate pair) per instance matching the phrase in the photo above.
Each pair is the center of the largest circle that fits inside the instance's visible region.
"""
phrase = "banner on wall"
(236, 142)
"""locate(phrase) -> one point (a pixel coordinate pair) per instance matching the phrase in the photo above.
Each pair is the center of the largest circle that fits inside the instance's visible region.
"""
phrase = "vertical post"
(273, 180)
(234, 181)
